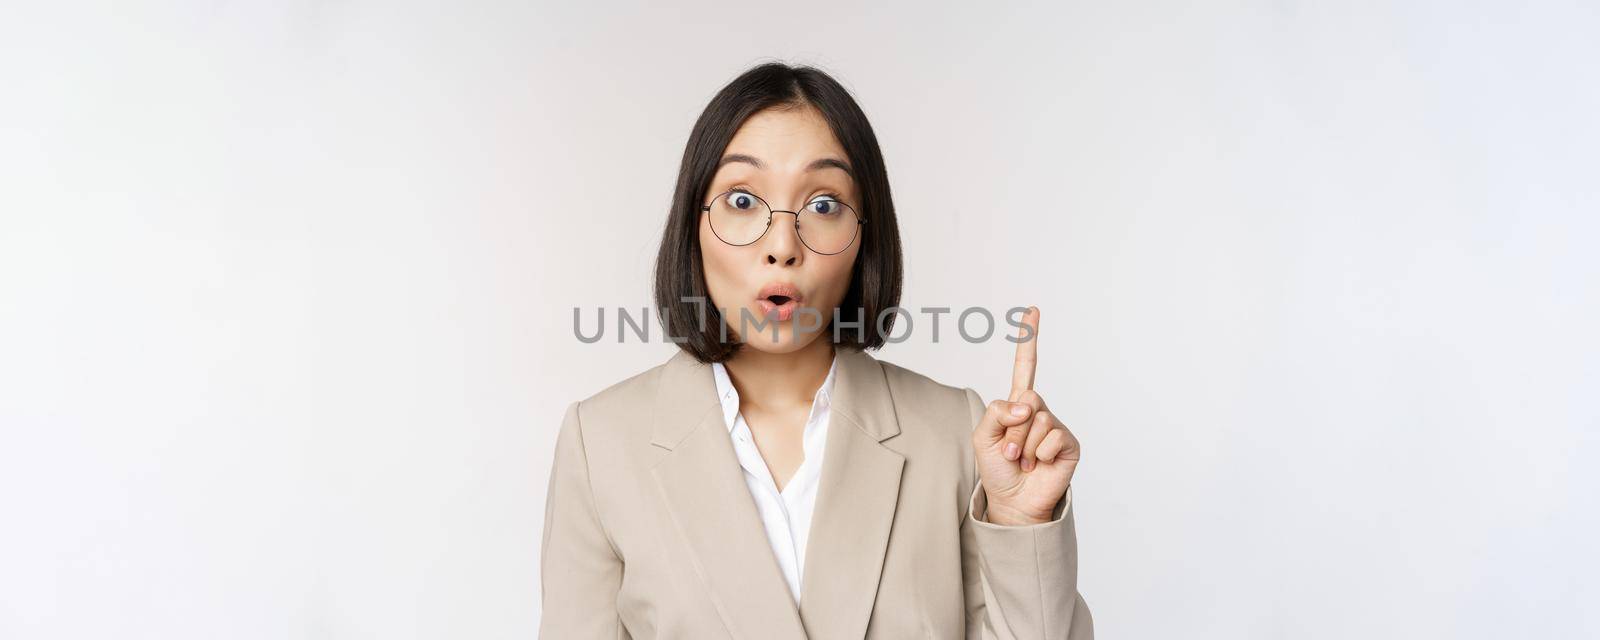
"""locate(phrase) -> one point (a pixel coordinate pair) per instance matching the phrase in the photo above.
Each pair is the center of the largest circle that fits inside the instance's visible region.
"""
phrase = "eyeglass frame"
(860, 222)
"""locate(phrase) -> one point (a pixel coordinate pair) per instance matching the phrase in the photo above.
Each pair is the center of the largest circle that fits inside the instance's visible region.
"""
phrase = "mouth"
(779, 300)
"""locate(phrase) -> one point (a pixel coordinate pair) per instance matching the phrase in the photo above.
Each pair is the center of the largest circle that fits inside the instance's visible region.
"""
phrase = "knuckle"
(1039, 430)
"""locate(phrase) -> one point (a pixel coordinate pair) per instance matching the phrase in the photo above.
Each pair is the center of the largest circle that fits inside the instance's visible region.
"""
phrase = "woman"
(771, 479)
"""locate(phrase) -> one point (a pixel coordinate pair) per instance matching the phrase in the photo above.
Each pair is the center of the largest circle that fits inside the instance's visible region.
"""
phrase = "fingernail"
(1012, 450)
(1019, 410)
(1027, 465)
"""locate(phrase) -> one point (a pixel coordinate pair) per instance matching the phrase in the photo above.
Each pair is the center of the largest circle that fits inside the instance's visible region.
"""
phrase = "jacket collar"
(703, 488)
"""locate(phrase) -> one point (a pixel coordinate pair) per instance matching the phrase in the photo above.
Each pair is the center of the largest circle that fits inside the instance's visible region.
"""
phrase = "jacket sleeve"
(1021, 582)
(580, 570)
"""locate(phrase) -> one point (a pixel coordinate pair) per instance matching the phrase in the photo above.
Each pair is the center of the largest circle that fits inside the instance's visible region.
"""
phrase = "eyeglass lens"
(824, 224)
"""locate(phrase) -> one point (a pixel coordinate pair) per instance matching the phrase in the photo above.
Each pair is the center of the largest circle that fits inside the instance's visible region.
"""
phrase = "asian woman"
(774, 480)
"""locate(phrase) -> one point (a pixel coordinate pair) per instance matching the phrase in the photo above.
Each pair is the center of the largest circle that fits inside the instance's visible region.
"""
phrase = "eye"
(825, 205)
(741, 201)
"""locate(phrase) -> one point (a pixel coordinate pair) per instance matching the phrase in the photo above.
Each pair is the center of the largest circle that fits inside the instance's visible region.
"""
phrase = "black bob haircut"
(687, 312)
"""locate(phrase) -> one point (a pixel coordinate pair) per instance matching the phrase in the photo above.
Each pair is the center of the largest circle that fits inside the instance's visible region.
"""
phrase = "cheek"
(718, 261)
(836, 272)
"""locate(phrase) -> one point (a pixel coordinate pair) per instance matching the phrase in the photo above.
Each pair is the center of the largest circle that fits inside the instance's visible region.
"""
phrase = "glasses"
(826, 226)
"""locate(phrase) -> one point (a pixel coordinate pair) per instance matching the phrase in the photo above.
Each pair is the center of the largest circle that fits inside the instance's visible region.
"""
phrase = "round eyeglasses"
(826, 226)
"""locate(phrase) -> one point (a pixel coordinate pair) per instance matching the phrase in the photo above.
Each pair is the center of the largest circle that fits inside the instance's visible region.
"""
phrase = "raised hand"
(1025, 456)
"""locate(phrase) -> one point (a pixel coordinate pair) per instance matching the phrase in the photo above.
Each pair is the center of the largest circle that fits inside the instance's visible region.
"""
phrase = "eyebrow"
(820, 163)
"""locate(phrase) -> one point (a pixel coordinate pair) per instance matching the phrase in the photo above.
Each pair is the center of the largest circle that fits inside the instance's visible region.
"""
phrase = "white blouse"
(786, 514)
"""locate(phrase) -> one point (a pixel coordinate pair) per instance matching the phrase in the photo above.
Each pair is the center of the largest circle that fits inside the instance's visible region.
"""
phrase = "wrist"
(1000, 513)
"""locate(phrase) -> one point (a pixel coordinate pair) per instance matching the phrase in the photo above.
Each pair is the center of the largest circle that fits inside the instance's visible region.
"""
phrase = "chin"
(785, 344)
(789, 340)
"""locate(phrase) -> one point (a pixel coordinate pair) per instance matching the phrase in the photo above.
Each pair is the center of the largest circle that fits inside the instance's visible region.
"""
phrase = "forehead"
(786, 139)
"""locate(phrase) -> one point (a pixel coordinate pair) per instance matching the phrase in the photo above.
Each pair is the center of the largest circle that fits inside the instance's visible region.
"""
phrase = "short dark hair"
(680, 285)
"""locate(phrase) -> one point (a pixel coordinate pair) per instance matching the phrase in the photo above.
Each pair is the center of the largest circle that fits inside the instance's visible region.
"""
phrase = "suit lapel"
(704, 489)
(856, 498)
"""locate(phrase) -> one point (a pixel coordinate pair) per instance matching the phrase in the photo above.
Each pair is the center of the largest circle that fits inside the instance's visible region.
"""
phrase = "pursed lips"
(780, 299)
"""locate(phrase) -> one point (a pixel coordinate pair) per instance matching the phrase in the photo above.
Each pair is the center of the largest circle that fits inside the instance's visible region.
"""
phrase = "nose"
(783, 239)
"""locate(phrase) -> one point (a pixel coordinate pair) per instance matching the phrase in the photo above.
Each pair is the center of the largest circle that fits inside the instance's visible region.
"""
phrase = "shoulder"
(628, 391)
(936, 423)
(925, 400)
(623, 402)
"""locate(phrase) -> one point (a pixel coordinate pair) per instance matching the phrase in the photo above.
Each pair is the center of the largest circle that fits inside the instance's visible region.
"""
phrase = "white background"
(286, 295)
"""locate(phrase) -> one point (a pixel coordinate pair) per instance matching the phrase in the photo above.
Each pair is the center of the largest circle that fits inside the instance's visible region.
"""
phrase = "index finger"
(1027, 353)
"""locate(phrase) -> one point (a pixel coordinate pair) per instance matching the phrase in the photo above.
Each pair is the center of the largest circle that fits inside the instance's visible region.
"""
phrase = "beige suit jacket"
(651, 532)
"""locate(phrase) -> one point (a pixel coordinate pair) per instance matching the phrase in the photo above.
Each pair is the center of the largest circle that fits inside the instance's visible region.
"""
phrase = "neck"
(780, 379)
